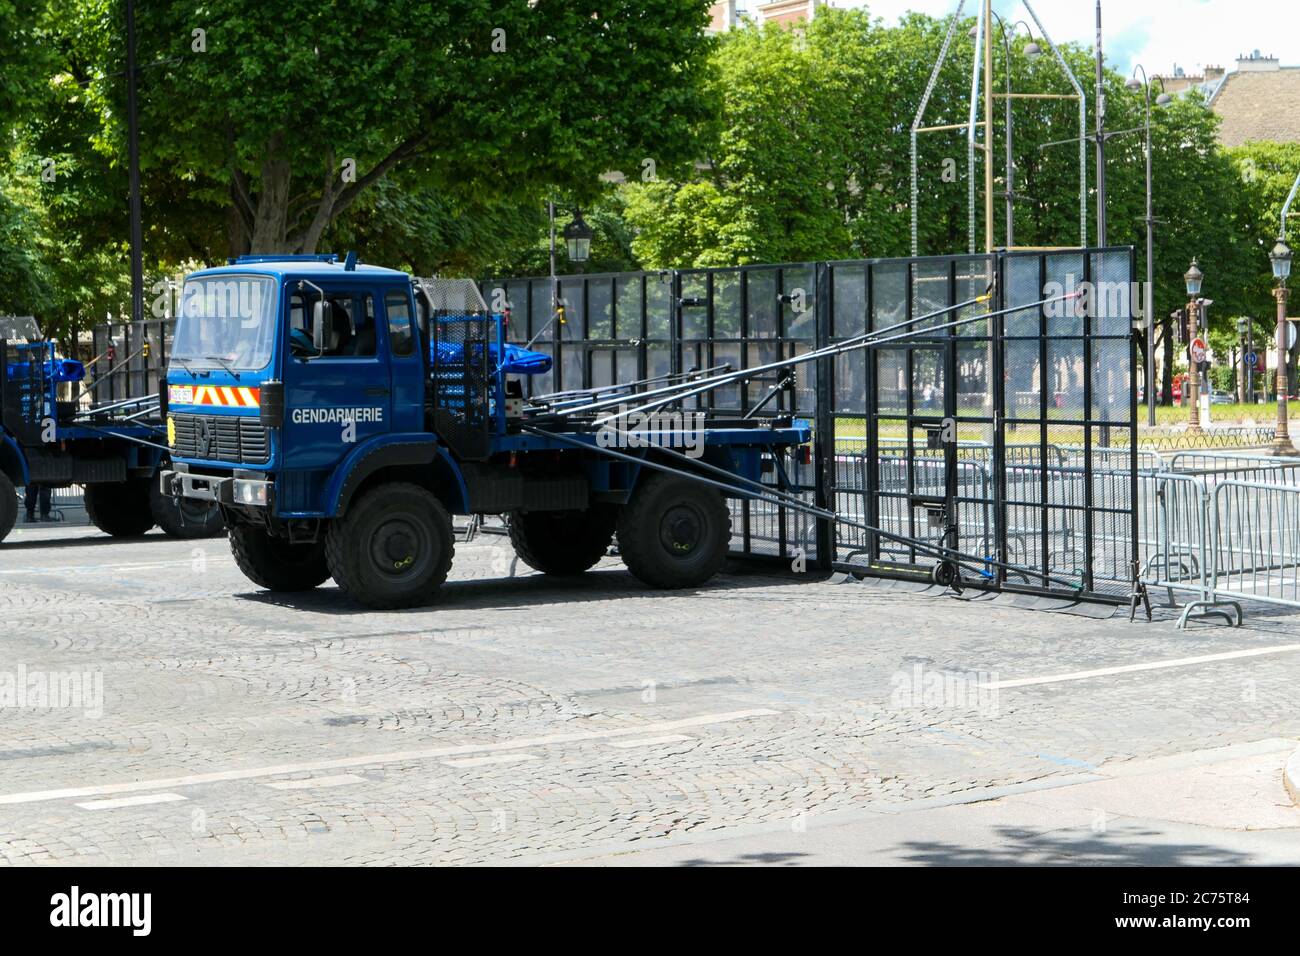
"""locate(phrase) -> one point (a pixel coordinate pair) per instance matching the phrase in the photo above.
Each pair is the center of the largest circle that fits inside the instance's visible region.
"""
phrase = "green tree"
(292, 111)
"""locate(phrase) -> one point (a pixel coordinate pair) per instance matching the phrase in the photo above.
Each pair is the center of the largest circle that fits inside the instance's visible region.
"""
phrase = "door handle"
(376, 391)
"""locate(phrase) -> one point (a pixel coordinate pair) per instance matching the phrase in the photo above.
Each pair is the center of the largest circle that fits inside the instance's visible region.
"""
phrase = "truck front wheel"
(275, 563)
(120, 508)
(674, 533)
(393, 546)
(562, 542)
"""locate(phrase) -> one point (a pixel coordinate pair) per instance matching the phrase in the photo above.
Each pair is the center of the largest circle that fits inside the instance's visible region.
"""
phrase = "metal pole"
(555, 284)
(1193, 389)
(1011, 166)
(988, 126)
(1149, 306)
(133, 170)
(1101, 139)
(1281, 437)
(1250, 369)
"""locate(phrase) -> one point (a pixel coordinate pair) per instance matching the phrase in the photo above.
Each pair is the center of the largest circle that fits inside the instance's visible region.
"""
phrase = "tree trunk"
(272, 200)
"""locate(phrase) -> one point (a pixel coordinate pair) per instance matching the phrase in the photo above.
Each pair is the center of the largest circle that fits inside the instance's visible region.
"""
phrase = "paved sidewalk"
(1223, 807)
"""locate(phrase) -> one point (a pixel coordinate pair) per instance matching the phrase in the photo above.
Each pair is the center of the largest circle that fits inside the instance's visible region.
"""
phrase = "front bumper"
(226, 490)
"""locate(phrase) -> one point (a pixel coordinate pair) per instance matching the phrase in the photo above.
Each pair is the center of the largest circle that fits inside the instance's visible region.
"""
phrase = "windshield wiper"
(224, 364)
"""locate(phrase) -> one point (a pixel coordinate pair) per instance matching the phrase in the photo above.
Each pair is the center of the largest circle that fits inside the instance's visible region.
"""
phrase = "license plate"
(181, 394)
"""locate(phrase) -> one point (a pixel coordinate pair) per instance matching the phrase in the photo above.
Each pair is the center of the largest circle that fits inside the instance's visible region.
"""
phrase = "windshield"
(225, 321)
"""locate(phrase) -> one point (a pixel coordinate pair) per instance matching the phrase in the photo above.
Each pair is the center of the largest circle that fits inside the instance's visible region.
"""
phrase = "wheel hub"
(397, 547)
(681, 530)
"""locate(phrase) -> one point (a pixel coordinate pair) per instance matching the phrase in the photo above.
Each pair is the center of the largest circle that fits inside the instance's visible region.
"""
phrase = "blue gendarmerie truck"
(340, 413)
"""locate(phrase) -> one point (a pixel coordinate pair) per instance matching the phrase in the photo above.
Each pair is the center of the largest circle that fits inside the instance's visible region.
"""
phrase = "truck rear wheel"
(8, 506)
(562, 542)
(393, 546)
(275, 563)
(674, 533)
(185, 517)
(120, 508)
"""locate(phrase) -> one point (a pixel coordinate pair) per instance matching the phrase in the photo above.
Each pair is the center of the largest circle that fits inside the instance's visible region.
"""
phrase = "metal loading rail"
(951, 560)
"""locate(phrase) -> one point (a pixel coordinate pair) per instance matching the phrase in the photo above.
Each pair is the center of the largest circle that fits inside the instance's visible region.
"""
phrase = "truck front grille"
(240, 439)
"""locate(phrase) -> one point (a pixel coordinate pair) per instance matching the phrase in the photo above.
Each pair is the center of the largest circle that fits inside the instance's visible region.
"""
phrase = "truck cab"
(340, 413)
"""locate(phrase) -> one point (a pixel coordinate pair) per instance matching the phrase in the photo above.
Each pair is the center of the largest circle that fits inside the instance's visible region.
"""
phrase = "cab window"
(398, 309)
(350, 328)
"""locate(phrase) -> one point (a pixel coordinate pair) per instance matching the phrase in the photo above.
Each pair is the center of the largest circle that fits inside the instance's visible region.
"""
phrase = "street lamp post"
(1193, 278)
(1281, 259)
(1148, 311)
(577, 240)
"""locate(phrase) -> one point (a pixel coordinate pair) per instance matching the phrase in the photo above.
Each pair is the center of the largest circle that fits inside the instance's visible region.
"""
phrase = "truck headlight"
(249, 492)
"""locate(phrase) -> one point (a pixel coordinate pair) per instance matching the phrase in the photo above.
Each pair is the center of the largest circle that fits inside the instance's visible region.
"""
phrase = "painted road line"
(365, 760)
(1149, 666)
(140, 801)
(94, 568)
(313, 783)
(491, 759)
(650, 741)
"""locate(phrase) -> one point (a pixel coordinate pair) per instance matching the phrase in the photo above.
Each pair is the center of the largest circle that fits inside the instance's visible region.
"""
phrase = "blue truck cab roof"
(306, 266)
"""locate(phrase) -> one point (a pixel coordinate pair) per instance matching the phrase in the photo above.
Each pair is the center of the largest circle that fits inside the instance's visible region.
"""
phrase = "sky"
(1155, 33)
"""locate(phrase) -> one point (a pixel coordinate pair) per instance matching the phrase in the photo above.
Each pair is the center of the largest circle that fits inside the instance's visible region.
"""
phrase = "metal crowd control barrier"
(1222, 527)
(1256, 543)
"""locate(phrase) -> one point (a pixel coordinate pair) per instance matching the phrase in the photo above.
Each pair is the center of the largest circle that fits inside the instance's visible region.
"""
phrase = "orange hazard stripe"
(225, 396)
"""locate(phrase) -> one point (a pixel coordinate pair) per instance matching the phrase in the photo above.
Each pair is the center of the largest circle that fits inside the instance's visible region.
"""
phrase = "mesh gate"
(1001, 429)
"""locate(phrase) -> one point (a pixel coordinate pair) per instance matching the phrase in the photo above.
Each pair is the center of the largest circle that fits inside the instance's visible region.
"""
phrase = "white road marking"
(312, 783)
(650, 741)
(1149, 666)
(95, 568)
(140, 801)
(491, 759)
(365, 760)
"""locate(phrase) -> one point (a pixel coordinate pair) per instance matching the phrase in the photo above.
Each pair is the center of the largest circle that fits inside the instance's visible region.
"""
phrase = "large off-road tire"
(562, 542)
(393, 546)
(276, 564)
(8, 506)
(185, 517)
(120, 508)
(674, 533)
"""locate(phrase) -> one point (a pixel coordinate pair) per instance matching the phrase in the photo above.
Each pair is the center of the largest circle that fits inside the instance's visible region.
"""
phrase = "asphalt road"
(170, 712)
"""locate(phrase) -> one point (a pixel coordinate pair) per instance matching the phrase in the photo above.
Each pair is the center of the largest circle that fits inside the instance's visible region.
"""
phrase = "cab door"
(405, 362)
(342, 396)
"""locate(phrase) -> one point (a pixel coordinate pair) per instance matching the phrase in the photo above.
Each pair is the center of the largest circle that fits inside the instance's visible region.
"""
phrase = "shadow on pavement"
(1122, 847)
(524, 591)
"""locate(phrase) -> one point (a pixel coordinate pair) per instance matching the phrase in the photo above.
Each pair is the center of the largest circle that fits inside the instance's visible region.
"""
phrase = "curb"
(1291, 777)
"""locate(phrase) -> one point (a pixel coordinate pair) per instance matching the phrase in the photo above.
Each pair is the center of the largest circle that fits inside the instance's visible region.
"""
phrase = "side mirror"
(319, 314)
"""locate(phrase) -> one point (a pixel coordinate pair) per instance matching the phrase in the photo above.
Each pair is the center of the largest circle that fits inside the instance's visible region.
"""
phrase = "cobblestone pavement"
(524, 718)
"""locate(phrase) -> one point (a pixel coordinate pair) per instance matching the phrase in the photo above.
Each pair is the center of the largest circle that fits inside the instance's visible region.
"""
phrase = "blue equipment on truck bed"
(340, 413)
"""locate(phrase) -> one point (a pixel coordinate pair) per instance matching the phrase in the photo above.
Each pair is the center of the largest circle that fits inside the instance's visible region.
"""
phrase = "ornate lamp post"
(1193, 278)
(1281, 259)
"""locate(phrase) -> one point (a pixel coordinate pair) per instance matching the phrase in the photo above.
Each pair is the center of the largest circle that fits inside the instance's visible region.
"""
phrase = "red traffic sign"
(1198, 350)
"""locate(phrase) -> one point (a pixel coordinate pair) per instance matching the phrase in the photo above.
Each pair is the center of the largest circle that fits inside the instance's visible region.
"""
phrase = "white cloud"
(1156, 33)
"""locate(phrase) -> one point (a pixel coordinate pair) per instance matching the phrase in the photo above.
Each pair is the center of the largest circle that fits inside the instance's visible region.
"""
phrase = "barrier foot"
(1139, 593)
(1211, 609)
